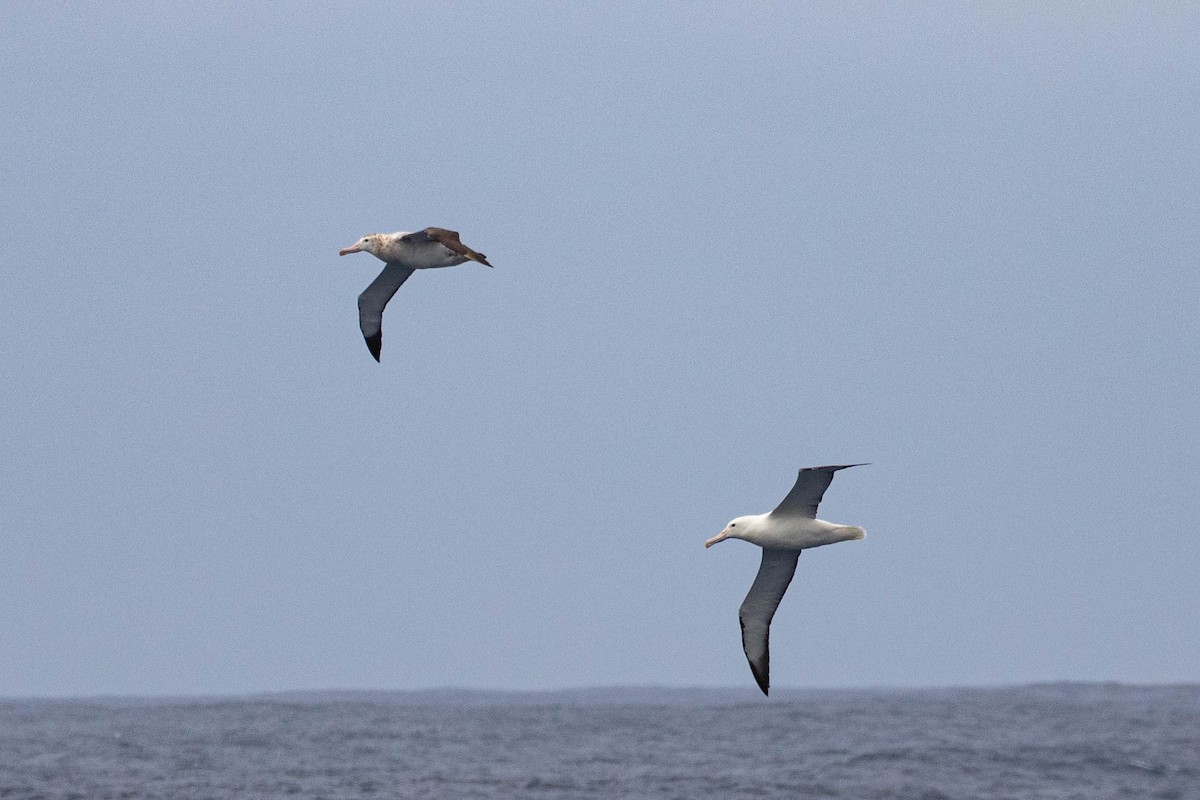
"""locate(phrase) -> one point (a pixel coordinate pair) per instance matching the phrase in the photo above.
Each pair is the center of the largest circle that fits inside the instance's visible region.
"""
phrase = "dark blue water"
(1060, 741)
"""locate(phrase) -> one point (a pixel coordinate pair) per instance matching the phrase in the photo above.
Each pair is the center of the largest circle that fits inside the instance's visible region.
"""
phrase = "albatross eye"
(733, 525)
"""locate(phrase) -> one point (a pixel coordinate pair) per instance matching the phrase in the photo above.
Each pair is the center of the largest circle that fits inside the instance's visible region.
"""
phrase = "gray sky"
(957, 241)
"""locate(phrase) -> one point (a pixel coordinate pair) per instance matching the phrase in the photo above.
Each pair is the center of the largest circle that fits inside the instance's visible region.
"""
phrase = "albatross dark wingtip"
(375, 344)
(761, 676)
(761, 666)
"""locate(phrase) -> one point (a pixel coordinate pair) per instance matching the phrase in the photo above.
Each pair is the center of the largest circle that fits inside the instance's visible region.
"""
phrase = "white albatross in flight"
(404, 253)
(782, 534)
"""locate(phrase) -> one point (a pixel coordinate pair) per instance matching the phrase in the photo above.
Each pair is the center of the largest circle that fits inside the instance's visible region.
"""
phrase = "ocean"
(1083, 741)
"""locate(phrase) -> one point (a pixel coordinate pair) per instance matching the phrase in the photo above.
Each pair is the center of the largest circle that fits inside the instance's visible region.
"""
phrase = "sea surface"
(1081, 741)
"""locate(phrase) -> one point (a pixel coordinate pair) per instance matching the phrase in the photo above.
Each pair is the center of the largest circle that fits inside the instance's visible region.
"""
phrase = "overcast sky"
(957, 241)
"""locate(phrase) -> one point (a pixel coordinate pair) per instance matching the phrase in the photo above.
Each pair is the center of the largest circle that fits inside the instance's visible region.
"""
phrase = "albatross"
(793, 526)
(403, 253)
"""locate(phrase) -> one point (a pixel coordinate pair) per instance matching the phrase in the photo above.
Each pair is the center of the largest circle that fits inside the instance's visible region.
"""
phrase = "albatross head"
(736, 529)
(367, 244)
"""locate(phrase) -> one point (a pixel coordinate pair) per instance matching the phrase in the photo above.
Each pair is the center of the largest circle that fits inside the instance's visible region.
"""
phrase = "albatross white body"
(782, 534)
(404, 253)
(786, 532)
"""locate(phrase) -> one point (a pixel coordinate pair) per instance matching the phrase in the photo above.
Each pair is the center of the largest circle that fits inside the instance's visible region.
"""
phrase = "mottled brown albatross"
(403, 253)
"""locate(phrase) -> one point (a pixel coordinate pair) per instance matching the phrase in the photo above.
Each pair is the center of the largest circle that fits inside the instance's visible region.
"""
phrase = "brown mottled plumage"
(449, 240)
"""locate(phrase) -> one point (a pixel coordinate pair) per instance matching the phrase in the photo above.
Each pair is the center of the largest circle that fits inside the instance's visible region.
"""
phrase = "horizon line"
(476, 691)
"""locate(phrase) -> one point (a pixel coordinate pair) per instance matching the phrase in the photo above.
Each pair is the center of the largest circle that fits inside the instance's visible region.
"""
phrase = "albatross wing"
(774, 575)
(449, 240)
(810, 487)
(373, 300)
